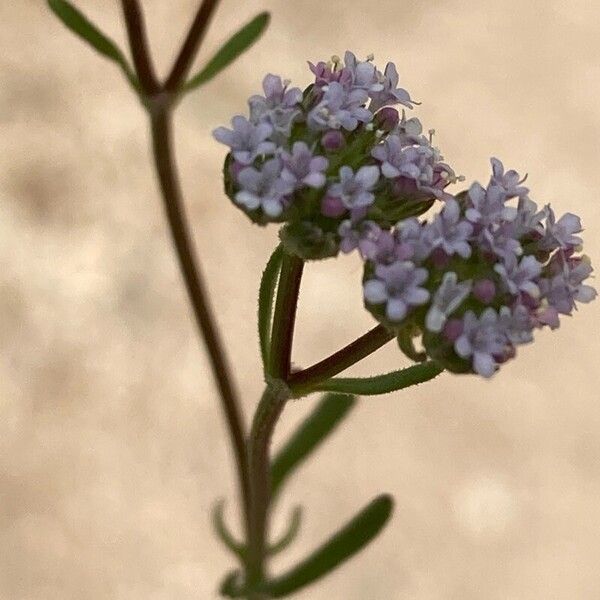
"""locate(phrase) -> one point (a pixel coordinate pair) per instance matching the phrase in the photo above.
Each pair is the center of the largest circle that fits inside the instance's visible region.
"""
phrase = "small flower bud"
(484, 290)
(453, 329)
(333, 140)
(332, 207)
(387, 119)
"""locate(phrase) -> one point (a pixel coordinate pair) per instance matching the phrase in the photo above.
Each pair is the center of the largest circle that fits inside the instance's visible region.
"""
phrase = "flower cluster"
(478, 278)
(328, 158)
(342, 170)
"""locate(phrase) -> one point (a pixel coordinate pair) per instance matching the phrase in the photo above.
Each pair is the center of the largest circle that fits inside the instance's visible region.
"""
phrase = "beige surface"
(112, 448)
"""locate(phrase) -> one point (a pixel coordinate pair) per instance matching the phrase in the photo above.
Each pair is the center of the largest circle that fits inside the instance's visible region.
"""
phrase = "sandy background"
(112, 447)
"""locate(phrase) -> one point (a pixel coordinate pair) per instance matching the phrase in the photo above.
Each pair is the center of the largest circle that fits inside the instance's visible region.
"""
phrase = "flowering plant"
(458, 279)
(343, 171)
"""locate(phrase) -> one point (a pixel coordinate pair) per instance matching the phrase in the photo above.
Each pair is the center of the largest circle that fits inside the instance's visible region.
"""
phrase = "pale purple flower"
(412, 237)
(483, 340)
(510, 182)
(520, 276)
(561, 233)
(449, 232)
(398, 286)
(381, 246)
(364, 73)
(566, 286)
(354, 189)
(263, 188)
(301, 167)
(447, 298)
(410, 131)
(414, 169)
(517, 324)
(246, 140)
(500, 240)
(339, 108)
(279, 106)
(529, 218)
(487, 206)
(351, 233)
(390, 94)
(396, 159)
(326, 73)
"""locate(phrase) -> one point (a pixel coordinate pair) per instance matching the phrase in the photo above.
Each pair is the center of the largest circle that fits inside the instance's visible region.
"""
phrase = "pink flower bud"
(333, 140)
(387, 119)
(484, 290)
(332, 207)
(453, 329)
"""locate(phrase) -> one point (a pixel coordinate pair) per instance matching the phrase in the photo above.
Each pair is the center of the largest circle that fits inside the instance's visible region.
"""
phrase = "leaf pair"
(356, 533)
(85, 29)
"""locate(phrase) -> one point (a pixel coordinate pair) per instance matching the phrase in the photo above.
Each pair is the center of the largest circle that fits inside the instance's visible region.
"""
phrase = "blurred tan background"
(112, 446)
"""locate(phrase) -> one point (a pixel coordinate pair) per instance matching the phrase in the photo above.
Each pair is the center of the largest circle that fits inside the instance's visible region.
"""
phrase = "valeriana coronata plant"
(459, 279)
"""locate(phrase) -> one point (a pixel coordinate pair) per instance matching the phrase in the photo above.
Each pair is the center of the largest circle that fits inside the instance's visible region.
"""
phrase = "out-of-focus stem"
(194, 282)
(189, 49)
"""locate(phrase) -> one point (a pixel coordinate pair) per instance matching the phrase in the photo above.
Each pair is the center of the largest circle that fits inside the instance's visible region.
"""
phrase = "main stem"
(194, 283)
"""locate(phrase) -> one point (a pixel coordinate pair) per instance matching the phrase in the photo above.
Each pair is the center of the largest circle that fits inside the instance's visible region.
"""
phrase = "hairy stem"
(267, 414)
(284, 317)
(194, 282)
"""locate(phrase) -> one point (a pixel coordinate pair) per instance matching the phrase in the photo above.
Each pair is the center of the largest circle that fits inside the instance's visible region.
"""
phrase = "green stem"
(302, 382)
(267, 414)
(285, 316)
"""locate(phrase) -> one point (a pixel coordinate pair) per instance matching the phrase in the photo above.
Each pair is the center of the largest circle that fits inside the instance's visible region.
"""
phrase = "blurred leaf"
(232, 585)
(268, 283)
(383, 384)
(235, 46)
(77, 22)
(288, 537)
(354, 536)
(223, 532)
(318, 425)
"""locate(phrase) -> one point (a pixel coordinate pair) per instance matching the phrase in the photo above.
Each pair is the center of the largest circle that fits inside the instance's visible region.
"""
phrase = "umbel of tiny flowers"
(327, 160)
(488, 274)
(343, 171)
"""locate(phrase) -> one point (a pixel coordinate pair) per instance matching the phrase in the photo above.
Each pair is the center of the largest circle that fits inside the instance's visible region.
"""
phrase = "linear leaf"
(81, 26)
(354, 536)
(235, 46)
(288, 537)
(382, 384)
(223, 532)
(326, 416)
(268, 283)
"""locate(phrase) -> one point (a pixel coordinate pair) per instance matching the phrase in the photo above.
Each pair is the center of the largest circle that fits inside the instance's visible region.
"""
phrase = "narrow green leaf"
(223, 532)
(288, 537)
(235, 46)
(354, 536)
(268, 283)
(78, 23)
(383, 384)
(318, 425)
